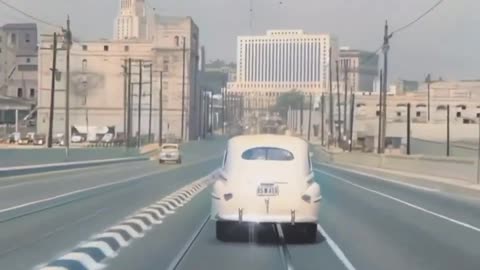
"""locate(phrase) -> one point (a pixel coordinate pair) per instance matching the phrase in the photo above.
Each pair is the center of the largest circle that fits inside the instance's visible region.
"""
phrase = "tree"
(292, 99)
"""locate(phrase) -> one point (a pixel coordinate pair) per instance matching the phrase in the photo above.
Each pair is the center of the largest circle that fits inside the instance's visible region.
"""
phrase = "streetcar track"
(183, 252)
(283, 248)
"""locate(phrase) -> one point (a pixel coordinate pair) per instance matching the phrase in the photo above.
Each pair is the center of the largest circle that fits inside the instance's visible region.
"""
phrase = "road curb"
(93, 254)
(32, 169)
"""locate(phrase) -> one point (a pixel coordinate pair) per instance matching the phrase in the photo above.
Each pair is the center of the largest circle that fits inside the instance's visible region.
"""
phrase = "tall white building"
(283, 60)
(131, 22)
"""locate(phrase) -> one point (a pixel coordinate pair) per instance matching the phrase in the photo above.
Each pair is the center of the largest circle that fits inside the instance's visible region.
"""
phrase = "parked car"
(266, 179)
(170, 152)
(107, 138)
(39, 139)
(14, 137)
(58, 139)
(24, 140)
(77, 139)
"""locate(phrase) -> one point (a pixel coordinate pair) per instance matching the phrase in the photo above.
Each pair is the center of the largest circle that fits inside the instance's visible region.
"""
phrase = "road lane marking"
(380, 177)
(336, 249)
(461, 223)
(120, 235)
(99, 186)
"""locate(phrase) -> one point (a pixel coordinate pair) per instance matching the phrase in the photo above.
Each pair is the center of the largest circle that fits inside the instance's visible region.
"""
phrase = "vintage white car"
(266, 179)
(170, 152)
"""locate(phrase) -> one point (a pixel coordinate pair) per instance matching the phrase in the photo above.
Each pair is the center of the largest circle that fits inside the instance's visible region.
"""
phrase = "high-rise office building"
(283, 60)
(131, 22)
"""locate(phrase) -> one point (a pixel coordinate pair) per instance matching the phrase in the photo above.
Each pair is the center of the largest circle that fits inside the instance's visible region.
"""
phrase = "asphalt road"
(366, 223)
(371, 224)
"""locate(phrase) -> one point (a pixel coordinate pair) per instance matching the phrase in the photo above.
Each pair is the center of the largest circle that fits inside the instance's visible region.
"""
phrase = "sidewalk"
(421, 180)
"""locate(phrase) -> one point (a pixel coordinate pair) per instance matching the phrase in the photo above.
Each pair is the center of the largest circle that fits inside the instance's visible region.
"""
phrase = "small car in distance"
(170, 152)
(266, 180)
(39, 139)
(24, 140)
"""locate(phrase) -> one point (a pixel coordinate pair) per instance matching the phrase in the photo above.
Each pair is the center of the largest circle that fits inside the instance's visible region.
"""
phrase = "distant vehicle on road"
(77, 139)
(170, 152)
(24, 140)
(266, 179)
(39, 139)
(14, 137)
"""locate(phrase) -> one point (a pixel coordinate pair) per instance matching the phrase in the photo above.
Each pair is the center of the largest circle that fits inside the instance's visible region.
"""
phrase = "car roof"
(268, 140)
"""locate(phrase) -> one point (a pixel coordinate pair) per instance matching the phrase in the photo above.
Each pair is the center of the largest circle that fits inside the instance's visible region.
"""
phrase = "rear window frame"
(266, 155)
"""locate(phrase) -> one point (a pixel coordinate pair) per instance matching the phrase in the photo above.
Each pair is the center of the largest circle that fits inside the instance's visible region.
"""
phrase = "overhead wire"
(24, 13)
(418, 18)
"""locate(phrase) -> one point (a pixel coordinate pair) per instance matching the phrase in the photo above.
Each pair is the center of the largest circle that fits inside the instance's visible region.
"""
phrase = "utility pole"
(302, 104)
(330, 107)
(224, 92)
(428, 81)
(380, 110)
(68, 43)
(478, 155)
(160, 111)
(183, 90)
(52, 91)
(352, 116)
(408, 128)
(129, 104)
(140, 67)
(448, 130)
(310, 117)
(323, 118)
(386, 48)
(201, 115)
(345, 79)
(338, 105)
(150, 103)
(125, 96)
(211, 113)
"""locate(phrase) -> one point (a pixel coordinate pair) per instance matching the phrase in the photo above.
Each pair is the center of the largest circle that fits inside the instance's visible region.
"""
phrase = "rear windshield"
(267, 153)
(169, 147)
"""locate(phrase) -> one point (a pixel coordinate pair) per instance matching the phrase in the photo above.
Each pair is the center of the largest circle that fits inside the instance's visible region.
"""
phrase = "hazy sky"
(445, 43)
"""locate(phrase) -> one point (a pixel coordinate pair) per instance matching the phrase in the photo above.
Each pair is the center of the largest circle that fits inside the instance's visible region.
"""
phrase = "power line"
(29, 15)
(419, 18)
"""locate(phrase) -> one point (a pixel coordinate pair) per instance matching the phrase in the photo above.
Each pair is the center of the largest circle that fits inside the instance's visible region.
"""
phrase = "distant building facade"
(98, 81)
(362, 69)
(18, 61)
(131, 22)
(281, 61)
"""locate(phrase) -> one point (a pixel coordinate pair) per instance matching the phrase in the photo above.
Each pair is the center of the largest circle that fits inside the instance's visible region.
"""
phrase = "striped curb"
(92, 254)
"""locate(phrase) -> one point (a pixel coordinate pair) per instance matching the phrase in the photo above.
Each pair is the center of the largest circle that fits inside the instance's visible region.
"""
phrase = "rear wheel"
(300, 233)
(179, 161)
(232, 231)
(160, 161)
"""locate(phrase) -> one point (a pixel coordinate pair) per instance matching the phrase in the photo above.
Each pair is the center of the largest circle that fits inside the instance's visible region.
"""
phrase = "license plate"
(267, 190)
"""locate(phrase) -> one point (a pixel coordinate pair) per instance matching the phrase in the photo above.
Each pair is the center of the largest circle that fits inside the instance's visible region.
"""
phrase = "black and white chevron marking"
(92, 254)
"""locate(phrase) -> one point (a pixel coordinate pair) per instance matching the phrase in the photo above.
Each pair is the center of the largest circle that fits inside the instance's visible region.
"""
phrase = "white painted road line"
(101, 186)
(336, 249)
(104, 247)
(84, 259)
(113, 239)
(461, 223)
(381, 178)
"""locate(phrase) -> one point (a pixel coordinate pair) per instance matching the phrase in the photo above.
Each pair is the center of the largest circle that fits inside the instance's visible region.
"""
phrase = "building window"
(378, 113)
(27, 38)
(32, 92)
(28, 60)
(105, 48)
(177, 41)
(399, 114)
(478, 115)
(13, 38)
(84, 47)
(459, 114)
(126, 48)
(419, 114)
(19, 92)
